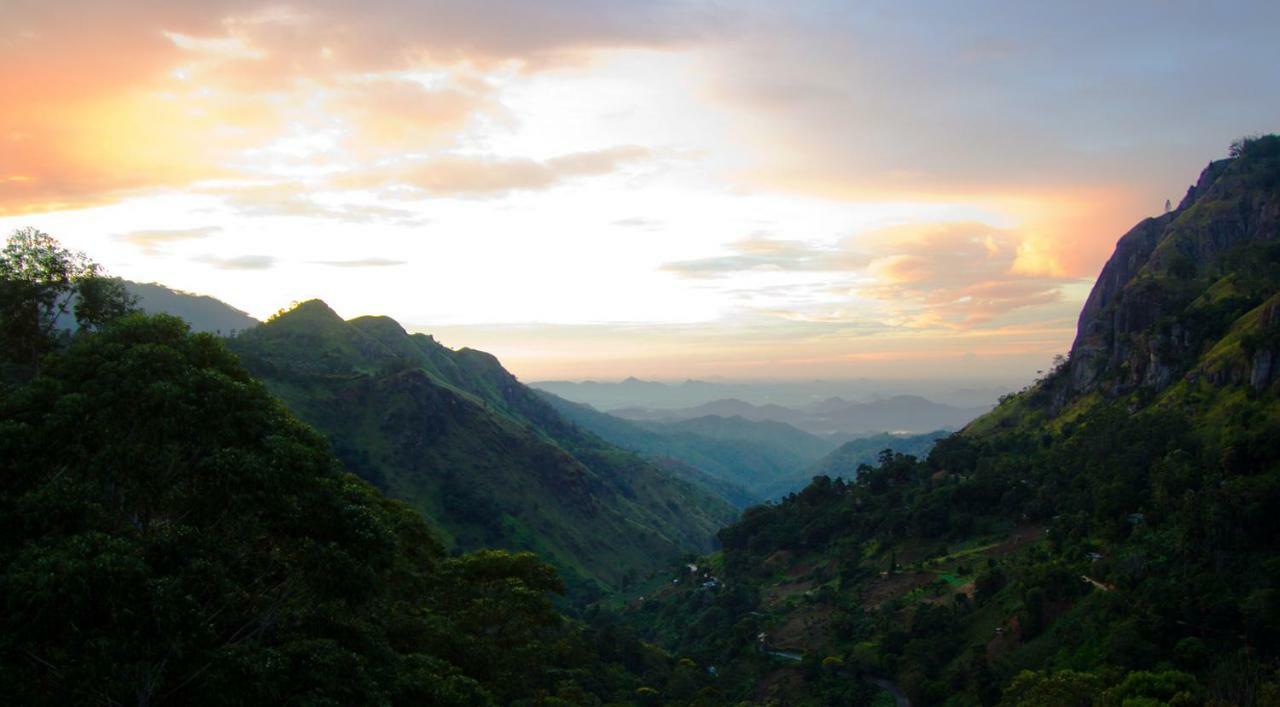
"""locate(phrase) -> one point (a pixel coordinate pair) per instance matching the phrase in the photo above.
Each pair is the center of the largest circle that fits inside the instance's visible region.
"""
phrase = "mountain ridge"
(1230, 208)
(832, 416)
(482, 456)
(748, 455)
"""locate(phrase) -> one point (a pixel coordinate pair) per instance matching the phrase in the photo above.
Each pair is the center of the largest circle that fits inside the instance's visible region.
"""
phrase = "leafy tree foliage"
(169, 533)
(1168, 514)
(41, 283)
(482, 456)
(1064, 688)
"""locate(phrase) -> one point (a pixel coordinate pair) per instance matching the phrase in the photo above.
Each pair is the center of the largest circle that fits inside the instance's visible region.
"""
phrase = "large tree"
(44, 287)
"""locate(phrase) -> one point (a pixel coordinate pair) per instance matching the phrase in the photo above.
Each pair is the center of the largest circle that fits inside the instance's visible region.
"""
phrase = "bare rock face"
(1202, 184)
(1096, 347)
(1264, 367)
(1151, 313)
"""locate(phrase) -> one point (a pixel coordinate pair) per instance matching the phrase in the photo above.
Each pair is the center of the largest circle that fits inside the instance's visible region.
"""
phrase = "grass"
(953, 580)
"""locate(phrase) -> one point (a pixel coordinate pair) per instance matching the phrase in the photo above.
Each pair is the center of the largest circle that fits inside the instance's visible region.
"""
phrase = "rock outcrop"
(1177, 282)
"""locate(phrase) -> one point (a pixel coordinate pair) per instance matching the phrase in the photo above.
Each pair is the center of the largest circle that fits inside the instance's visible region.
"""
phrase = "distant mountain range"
(753, 460)
(730, 449)
(634, 392)
(651, 402)
(727, 449)
(830, 417)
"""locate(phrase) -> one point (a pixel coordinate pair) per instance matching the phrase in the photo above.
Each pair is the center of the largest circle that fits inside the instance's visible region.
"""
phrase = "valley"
(1074, 543)
(1076, 537)
(593, 353)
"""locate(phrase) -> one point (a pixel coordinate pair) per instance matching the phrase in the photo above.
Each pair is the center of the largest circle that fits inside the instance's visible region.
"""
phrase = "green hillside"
(845, 460)
(484, 458)
(201, 312)
(761, 458)
(759, 451)
(173, 535)
(1107, 536)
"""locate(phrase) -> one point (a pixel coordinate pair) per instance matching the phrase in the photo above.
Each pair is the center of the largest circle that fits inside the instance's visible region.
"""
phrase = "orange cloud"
(95, 148)
(391, 114)
(108, 99)
(932, 275)
(461, 175)
(150, 242)
(953, 274)
(1071, 232)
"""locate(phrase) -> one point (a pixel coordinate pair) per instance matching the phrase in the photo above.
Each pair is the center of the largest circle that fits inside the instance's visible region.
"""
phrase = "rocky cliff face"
(1178, 284)
(1264, 364)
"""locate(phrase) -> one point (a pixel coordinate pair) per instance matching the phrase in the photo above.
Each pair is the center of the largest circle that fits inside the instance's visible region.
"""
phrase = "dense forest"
(172, 534)
(308, 513)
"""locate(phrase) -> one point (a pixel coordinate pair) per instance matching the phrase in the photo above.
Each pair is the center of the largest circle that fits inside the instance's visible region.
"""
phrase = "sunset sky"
(609, 188)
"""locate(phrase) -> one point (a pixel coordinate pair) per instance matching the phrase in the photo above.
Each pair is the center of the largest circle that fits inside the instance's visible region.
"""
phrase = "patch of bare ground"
(1008, 636)
(778, 685)
(949, 596)
(1018, 539)
(779, 593)
(802, 568)
(778, 561)
(893, 586)
(805, 630)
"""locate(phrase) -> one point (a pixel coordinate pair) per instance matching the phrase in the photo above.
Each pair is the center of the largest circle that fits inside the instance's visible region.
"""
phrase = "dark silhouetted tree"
(43, 287)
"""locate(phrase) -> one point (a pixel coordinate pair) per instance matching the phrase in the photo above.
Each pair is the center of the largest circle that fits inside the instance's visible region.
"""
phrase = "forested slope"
(750, 458)
(484, 458)
(169, 533)
(1106, 536)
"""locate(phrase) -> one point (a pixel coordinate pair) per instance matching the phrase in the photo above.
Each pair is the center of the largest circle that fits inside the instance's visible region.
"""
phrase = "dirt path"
(1096, 583)
(786, 655)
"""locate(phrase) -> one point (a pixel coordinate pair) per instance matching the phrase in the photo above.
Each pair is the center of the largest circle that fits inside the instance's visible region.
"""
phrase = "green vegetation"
(845, 459)
(1107, 536)
(170, 533)
(756, 454)
(40, 284)
(743, 461)
(740, 460)
(955, 574)
(485, 459)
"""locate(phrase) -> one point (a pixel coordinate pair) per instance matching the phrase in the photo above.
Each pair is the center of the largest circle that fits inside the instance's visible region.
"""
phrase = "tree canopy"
(169, 533)
(41, 283)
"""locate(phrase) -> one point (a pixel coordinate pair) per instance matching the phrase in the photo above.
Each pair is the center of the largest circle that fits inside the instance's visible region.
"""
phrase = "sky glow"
(600, 189)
